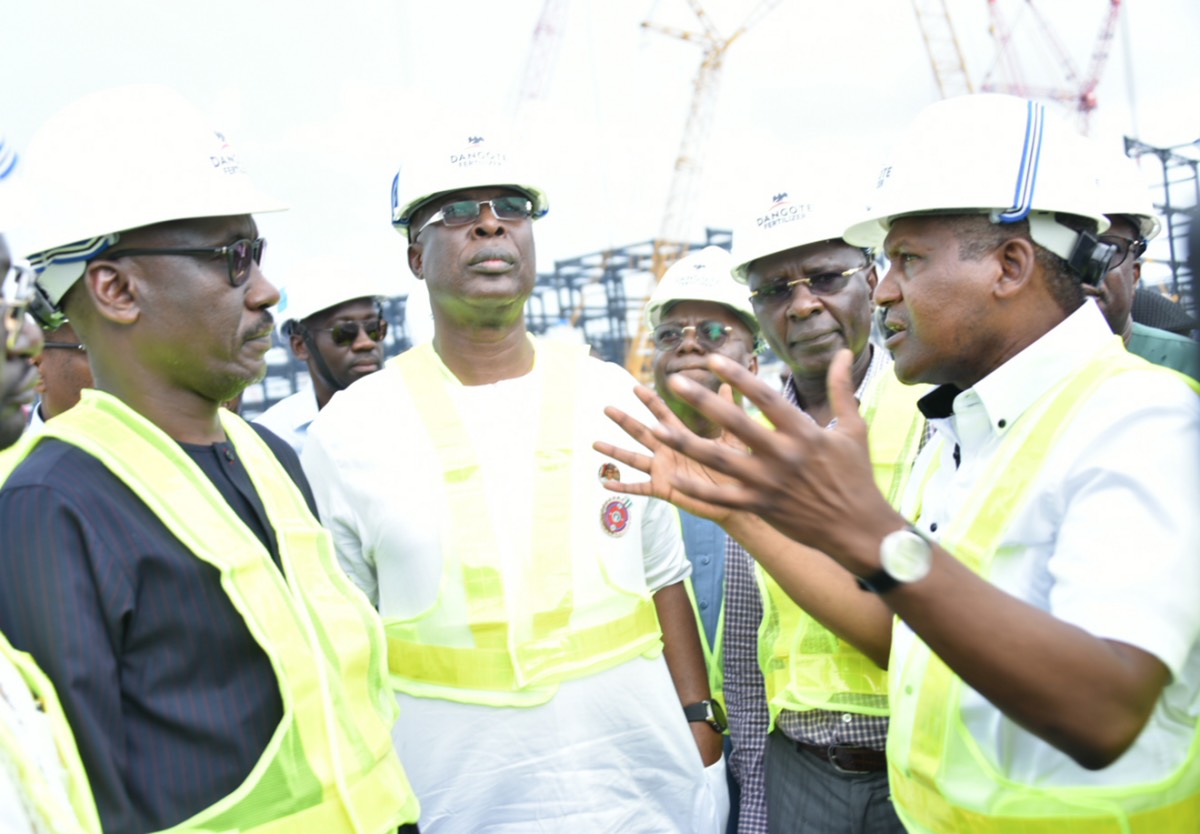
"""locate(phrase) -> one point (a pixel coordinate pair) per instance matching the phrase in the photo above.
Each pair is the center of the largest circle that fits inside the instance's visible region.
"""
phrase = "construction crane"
(672, 241)
(1079, 89)
(945, 52)
(543, 54)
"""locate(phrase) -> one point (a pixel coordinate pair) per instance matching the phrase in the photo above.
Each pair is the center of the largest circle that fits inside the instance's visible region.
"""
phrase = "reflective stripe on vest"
(330, 766)
(806, 666)
(934, 767)
(566, 619)
(80, 816)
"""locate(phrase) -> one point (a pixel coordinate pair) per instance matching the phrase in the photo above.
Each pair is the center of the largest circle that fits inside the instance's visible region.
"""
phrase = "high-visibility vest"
(806, 666)
(330, 766)
(79, 816)
(940, 778)
(566, 619)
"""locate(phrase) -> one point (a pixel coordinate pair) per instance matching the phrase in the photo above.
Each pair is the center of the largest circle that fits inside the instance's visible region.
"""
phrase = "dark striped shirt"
(171, 700)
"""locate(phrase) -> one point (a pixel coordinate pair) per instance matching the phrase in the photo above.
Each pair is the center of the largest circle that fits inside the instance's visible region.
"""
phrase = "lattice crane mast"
(941, 43)
(671, 243)
(1079, 91)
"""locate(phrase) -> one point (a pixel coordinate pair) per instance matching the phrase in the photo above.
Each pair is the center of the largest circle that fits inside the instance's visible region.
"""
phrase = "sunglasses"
(467, 211)
(1123, 246)
(346, 332)
(825, 283)
(17, 291)
(238, 255)
(710, 334)
(64, 346)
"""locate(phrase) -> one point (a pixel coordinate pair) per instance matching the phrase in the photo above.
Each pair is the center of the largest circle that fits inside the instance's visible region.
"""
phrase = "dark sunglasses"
(710, 334)
(462, 212)
(238, 256)
(65, 346)
(346, 332)
(1123, 246)
(825, 283)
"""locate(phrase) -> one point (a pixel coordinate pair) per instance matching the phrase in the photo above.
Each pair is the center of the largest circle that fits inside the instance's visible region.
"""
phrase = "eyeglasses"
(467, 211)
(710, 334)
(17, 288)
(346, 332)
(238, 256)
(65, 346)
(824, 283)
(1124, 246)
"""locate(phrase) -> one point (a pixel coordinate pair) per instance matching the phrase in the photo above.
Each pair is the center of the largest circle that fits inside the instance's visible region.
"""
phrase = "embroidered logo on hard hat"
(614, 517)
(884, 173)
(225, 158)
(782, 210)
(476, 154)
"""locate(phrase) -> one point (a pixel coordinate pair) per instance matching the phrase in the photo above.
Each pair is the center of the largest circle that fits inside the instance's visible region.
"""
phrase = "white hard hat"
(1125, 192)
(994, 154)
(702, 276)
(785, 220)
(324, 283)
(453, 164)
(120, 159)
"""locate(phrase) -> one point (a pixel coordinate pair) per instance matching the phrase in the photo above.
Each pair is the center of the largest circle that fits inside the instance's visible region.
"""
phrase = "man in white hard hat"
(696, 309)
(161, 562)
(42, 783)
(334, 323)
(1045, 663)
(804, 649)
(1133, 224)
(522, 600)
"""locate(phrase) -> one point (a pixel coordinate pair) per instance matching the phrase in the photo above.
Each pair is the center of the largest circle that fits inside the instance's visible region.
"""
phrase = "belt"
(847, 759)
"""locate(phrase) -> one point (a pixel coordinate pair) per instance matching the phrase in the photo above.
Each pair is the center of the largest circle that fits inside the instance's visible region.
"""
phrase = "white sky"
(321, 99)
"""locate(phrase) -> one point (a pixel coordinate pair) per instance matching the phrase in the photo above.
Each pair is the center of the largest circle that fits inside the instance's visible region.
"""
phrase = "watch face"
(906, 556)
(718, 714)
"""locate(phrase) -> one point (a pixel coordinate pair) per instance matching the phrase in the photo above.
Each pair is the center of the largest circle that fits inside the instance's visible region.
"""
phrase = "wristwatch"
(710, 712)
(906, 555)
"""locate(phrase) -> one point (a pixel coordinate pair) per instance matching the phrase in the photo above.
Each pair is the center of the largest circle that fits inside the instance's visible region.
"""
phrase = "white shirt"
(608, 752)
(1109, 542)
(290, 417)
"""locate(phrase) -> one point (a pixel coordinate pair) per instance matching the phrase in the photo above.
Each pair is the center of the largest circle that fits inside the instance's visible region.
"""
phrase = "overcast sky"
(321, 100)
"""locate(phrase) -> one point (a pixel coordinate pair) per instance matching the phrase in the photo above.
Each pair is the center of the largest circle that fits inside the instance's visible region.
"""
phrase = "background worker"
(160, 558)
(804, 648)
(1133, 224)
(1045, 664)
(697, 308)
(334, 323)
(63, 373)
(523, 601)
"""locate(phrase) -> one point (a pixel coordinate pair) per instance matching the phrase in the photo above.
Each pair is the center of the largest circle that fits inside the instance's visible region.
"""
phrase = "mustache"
(265, 326)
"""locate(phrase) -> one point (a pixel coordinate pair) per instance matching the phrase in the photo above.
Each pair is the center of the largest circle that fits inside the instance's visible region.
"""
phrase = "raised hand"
(664, 465)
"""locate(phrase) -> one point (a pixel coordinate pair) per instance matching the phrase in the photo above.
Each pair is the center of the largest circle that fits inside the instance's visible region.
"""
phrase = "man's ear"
(1017, 260)
(415, 260)
(872, 279)
(1137, 273)
(114, 291)
(299, 348)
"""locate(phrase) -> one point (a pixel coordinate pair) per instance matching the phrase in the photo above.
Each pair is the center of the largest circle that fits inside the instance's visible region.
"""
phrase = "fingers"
(730, 416)
(637, 461)
(840, 385)
(633, 427)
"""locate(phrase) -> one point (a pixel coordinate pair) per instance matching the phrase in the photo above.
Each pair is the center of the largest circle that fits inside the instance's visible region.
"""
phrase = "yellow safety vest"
(80, 817)
(940, 778)
(566, 618)
(330, 766)
(806, 666)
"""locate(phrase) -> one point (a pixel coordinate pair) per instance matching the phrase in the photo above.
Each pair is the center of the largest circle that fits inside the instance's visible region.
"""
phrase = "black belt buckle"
(831, 755)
